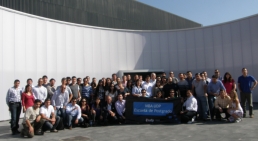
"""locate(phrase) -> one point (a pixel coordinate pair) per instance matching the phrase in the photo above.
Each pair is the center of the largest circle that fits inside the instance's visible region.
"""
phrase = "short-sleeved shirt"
(30, 114)
(75, 89)
(47, 111)
(199, 90)
(229, 85)
(246, 83)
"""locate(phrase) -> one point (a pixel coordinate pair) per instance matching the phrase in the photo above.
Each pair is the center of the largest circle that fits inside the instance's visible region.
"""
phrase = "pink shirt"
(229, 86)
(27, 101)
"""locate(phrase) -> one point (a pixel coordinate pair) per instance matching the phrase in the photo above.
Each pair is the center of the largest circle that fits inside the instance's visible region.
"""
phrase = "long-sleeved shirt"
(13, 95)
(215, 87)
(40, 92)
(223, 103)
(148, 87)
(73, 112)
(86, 91)
(191, 104)
(60, 99)
(120, 107)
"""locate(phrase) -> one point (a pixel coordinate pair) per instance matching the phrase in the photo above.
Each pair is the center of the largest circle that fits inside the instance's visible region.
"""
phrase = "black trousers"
(109, 118)
(224, 110)
(120, 118)
(15, 109)
(185, 117)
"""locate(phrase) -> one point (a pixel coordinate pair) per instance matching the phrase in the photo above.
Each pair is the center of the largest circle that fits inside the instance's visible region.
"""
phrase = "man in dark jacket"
(109, 110)
(170, 85)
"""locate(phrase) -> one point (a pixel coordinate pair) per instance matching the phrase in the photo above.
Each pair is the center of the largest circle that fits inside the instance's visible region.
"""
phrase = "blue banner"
(152, 108)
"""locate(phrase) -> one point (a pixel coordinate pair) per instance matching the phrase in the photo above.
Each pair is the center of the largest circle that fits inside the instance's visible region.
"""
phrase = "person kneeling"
(222, 103)
(109, 111)
(190, 104)
(235, 109)
(32, 121)
(120, 108)
(47, 113)
(73, 114)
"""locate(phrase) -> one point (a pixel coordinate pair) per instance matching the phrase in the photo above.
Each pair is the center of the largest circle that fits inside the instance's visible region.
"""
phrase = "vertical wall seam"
(251, 44)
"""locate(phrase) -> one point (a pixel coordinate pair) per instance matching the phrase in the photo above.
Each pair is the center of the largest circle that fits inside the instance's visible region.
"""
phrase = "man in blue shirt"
(245, 87)
(213, 91)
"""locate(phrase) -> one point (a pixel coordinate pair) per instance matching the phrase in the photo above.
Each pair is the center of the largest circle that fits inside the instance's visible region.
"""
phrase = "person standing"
(32, 121)
(229, 83)
(136, 91)
(45, 83)
(39, 91)
(75, 88)
(214, 91)
(29, 82)
(27, 98)
(182, 86)
(148, 86)
(13, 100)
(190, 79)
(158, 88)
(191, 108)
(114, 76)
(87, 91)
(153, 78)
(174, 79)
(245, 87)
(51, 88)
(64, 83)
(170, 85)
(200, 87)
(217, 73)
(59, 101)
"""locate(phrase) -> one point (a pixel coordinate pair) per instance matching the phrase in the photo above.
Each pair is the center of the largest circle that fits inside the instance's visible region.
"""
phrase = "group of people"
(77, 103)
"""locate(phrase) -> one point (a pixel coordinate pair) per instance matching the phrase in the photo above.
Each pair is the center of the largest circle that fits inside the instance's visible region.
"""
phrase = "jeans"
(211, 100)
(49, 126)
(36, 125)
(71, 119)
(249, 98)
(202, 106)
(224, 110)
(15, 109)
(61, 113)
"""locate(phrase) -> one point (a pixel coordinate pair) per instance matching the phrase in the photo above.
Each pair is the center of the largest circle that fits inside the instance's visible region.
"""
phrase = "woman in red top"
(27, 98)
(229, 83)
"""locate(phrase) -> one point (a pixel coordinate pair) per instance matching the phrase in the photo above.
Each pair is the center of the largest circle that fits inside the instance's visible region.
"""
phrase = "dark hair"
(63, 79)
(244, 69)
(188, 72)
(37, 101)
(130, 81)
(113, 74)
(25, 91)
(157, 82)
(225, 78)
(48, 99)
(171, 90)
(15, 81)
(73, 77)
(181, 73)
(52, 79)
(214, 76)
(197, 74)
(109, 89)
(143, 90)
(68, 77)
(44, 76)
(78, 79)
(84, 79)
(147, 76)
(216, 70)
(29, 79)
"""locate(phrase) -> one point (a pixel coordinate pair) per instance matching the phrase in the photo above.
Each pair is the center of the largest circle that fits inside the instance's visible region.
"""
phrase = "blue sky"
(207, 12)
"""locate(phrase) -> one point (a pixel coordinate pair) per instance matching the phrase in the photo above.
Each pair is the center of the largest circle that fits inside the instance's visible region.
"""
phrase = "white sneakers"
(190, 122)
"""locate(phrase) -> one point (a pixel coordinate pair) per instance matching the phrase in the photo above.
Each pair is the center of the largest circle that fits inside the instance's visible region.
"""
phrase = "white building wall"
(31, 47)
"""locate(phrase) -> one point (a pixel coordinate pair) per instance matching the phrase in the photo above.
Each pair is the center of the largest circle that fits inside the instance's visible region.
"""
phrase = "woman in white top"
(235, 109)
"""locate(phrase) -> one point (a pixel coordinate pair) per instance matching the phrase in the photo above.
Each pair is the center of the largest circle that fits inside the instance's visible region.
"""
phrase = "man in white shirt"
(32, 121)
(47, 113)
(148, 86)
(153, 78)
(59, 100)
(73, 114)
(40, 92)
(120, 108)
(191, 109)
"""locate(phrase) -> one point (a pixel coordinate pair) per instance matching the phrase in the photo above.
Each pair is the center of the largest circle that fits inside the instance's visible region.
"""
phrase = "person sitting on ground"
(109, 114)
(73, 114)
(120, 108)
(235, 109)
(96, 111)
(158, 95)
(85, 111)
(47, 113)
(32, 121)
(171, 94)
(191, 108)
(222, 103)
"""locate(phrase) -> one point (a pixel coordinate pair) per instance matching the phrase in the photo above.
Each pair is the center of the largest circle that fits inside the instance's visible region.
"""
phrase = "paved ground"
(247, 130)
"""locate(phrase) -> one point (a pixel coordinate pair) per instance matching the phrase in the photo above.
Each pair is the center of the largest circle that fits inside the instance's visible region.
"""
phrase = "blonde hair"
(235, 96)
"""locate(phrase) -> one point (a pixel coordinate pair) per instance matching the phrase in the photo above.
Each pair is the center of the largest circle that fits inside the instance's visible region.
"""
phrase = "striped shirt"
(13, 95)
